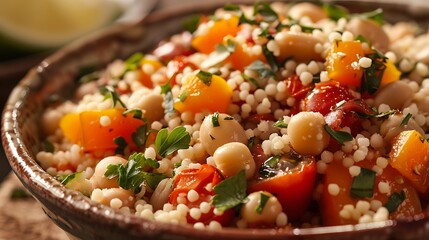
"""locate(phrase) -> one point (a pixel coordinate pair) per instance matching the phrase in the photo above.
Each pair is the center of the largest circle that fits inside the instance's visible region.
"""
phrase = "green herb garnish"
(376, 15)
(110, 93)
(183, 95)
(131, 176)
(268, 168)
(140, 135)
(272, 60)
(221, 53)
(371, 77)
(205, 77)
(394, 201)
(168, 96)
(339, 136)
(231, 7)
(167, 143)
(363, 184)
(263, 70)
(406, 119)
(251, 142)
(191, 24)
(215, 119)
(251, 80)
(48, 146)
(231, 192)
(335, 12)
(121, 144)
(133, 62)
(264, 9)
(262, 202)
(280, 124)
(66, 179)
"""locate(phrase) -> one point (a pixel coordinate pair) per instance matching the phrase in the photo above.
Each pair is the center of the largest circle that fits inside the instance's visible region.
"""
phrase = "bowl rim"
(46, 188)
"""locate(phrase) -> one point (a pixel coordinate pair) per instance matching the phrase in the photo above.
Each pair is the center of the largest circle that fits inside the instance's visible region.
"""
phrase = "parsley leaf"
(339, 136)
(335, 12)
(263, 70)
(121, 144)
(268, 168)
(231, 192)
(215, 119)
(131, 175)
(363, 184)
(168, 96)
(263, 201)
(110, 93)
(167, 143)
(250, 79)
(133, 62)
(406, 119)
(140, 135)
(221, 53)
(280, 124)
(376, 15)
(66, 179)
(371, 77)
(231, 7)
(205, 77)
(264, 9)
(191, 24)
(272, 60)
(394, 201)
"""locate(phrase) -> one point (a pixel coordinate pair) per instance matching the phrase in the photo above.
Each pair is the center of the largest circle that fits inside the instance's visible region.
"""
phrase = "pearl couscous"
(272, 115)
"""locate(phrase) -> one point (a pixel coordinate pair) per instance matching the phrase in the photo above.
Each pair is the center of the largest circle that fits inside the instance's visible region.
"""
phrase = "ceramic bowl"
(84, 219)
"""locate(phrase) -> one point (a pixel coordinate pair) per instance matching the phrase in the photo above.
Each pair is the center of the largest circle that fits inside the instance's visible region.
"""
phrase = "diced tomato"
(293, 187)
(325, 96)
(201, 180)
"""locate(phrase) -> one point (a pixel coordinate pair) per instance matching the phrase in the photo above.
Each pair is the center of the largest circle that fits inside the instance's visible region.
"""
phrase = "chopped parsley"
(228, 118)
(215, 119)
(90, 77)
(183, 95)
(133, 62)
(250, 79)
(264, 10)
(406, 119)
(377, 16)
(371, 77)
(67, 178)
(205, 77)
(221, 53)
(339, 136)
(137, 113)
(191, 24)
(280, 124)
(363, 184)
(110, 93)
(231, 192)
(131, 176)
(272, 60)
(231, 7)
(168, 96)
(140, 135)
(268, 168)
(167, 143)
(335, 12)
(121, 144)
(262, 202)
(48, 146)
(263, 70)
(251, 142)
(394, 201)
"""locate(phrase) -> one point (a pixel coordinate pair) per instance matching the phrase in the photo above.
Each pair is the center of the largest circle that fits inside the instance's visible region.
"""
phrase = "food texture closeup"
(273, 115)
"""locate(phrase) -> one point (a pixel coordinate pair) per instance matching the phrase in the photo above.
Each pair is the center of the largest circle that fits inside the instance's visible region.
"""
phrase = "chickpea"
(161, 193)
(229, 130)
(151, 104)
(99, 180)
(371, 31)
(269, 212)
(307, 133)
(388, 94)
(233, 157)
(299, 10)
(105, 196)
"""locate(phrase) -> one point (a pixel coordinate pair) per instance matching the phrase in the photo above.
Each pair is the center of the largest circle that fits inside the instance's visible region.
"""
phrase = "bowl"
(84, 219)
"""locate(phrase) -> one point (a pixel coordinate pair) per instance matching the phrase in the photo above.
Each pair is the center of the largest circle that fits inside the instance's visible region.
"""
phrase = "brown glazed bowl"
(84, 219)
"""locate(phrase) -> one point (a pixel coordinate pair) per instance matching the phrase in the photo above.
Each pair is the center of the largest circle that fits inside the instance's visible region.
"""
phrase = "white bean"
(161, 194)
(269, 212)
(99, 180)
(392, 126)
(233, 157)
(307, 134)
(299, 46)
(314, 12)
(151, 104)
(388, 94)
(371, 31)
(229, 130)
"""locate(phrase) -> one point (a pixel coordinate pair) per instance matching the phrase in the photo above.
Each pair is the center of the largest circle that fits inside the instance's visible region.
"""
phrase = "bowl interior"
(54, 78)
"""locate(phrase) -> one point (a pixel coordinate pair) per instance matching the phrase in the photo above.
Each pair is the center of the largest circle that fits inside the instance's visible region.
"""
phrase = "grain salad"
(273, 115)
